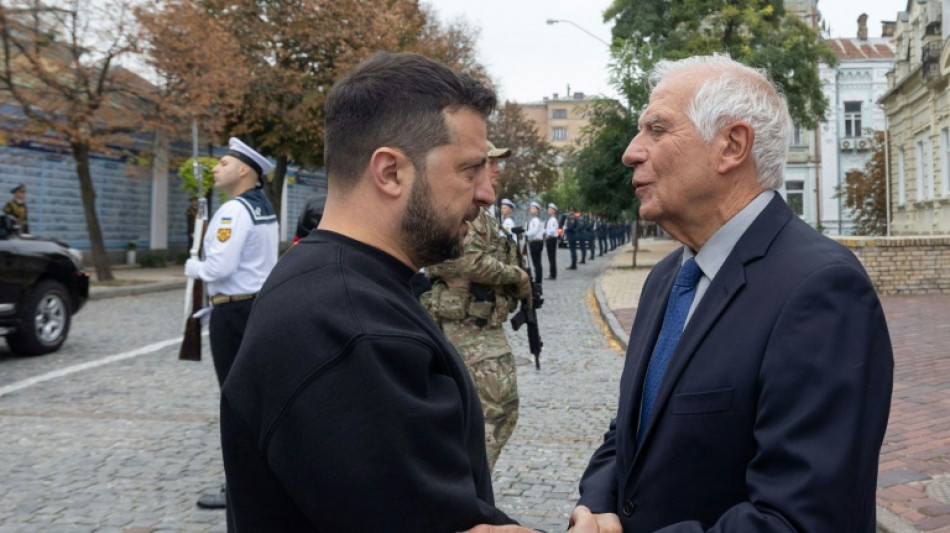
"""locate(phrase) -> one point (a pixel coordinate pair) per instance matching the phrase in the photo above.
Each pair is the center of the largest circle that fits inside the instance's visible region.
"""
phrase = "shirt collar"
(714, 253)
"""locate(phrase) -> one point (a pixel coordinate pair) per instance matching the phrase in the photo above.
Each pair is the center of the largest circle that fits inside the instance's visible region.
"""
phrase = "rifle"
(527, 313)
(194, 288)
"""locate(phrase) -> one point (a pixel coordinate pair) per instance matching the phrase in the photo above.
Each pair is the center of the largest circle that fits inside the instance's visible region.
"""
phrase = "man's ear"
(737, 139)
(387, 168)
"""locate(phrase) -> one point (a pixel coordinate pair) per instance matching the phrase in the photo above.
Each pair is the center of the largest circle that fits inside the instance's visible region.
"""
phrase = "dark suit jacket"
(775, 403)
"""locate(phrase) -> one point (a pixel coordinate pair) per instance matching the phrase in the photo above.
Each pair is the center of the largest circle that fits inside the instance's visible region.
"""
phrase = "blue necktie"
(681, 297)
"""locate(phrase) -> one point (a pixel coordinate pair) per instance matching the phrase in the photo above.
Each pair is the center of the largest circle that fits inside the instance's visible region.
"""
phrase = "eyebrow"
(651, 120)
(472, 163)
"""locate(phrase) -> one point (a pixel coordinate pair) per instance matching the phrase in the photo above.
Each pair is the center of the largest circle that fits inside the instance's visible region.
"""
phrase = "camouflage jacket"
(17, 211)
(487, 259)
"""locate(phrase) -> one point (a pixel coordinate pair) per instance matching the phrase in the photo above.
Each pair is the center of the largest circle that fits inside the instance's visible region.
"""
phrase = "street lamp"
(552, 22)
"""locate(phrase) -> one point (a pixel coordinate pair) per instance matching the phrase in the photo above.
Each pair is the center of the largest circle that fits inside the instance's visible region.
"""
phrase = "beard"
(429, 238)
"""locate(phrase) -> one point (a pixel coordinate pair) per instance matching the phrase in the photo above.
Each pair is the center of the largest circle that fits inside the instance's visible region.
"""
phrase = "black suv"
(42, 284)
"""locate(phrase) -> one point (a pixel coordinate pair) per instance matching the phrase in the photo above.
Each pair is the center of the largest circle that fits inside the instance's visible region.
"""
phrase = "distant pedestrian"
(240, 249)
(535, 235)
(17, 209)
(551, 229)
(572, 234)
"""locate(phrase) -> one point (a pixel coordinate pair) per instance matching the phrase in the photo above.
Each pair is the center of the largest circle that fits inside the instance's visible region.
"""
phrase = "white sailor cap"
(552, 206)
(508, 202)
(536, 205)
(249, 157)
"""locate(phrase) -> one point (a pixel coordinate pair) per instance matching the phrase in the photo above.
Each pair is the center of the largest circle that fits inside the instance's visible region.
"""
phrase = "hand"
(524, 286)
(485, 528)
(584, 521)
(191, 268)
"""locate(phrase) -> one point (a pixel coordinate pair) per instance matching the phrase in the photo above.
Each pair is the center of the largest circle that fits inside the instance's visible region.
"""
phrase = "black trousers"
(551, 244)
(225, 331)
(536, 247)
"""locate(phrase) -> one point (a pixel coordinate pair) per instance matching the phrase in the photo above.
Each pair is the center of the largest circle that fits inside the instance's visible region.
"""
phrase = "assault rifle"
(194, 288)
(527, 313)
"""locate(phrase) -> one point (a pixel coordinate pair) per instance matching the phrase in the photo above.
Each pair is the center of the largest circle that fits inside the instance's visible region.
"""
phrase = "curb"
(616, 330)
(101, 293)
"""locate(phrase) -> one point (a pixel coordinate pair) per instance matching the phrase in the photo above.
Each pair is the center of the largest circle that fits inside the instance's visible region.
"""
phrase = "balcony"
(930, 61)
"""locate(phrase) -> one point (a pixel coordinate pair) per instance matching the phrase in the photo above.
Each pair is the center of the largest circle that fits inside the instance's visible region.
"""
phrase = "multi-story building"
(852, 88)
(917, 105)
(560, 120)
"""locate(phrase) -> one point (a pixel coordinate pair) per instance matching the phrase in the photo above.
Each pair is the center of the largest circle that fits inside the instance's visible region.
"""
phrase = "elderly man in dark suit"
(758, 377)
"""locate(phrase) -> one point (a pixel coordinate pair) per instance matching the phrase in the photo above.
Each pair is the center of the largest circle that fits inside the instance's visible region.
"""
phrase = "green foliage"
(532, 167)
(566, 193)
(153, 260)
(865, 191)
(759, 33)
(187, 174)
(603, 182)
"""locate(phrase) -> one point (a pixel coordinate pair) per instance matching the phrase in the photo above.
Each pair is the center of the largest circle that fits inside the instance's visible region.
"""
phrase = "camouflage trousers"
(492, 366)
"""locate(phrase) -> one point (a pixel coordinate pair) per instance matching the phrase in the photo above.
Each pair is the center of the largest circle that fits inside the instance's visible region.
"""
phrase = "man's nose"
(634, 154)
(484, 194)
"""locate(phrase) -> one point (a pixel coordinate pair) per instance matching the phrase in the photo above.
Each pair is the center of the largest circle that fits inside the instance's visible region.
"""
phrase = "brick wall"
(904, 265)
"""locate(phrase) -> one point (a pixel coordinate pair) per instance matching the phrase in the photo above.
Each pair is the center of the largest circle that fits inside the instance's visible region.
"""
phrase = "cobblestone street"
(127, 442)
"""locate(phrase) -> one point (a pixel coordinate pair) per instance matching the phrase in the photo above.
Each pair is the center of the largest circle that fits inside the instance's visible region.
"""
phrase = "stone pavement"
(914, 472)
(566, 406)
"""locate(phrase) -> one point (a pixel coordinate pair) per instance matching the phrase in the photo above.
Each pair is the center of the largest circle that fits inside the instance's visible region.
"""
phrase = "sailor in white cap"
(551, 231)
(535, 236)
(507, 208)
(240, 249)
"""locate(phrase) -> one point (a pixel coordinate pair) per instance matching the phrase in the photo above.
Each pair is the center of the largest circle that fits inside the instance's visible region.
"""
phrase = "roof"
(857, 49)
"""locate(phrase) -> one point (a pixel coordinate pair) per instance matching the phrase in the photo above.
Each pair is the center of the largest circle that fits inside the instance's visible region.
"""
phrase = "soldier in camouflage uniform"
(471, 299)
(16, 207)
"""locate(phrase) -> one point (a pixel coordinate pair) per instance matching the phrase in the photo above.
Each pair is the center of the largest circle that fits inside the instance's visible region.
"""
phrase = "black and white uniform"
(535, 236)
(550, 242)
(240, 250)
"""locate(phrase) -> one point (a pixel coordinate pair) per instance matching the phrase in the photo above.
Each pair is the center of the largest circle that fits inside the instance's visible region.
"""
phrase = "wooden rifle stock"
(194, 300)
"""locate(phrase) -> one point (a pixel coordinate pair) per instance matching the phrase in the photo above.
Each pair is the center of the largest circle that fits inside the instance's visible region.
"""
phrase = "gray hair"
(738, 92)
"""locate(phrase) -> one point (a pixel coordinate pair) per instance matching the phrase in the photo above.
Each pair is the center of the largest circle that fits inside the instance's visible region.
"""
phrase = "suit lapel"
(730, 279)
(643, 336)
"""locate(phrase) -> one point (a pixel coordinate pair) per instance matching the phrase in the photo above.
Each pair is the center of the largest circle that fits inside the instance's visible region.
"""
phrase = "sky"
(530, 59)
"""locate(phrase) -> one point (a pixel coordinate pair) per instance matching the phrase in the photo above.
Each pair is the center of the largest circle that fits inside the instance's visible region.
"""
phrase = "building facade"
(852, 88)
(560, 120)
(917, 105)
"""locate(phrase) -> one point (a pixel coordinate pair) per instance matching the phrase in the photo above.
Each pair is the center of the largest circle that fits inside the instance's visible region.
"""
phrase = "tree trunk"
(99, 257)
(274, 187)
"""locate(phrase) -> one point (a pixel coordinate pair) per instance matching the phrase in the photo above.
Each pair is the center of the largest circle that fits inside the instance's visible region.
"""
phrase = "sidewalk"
(130, 280)
(914, 471)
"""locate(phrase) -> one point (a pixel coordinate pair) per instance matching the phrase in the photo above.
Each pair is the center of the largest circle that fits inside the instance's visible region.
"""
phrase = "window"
(798, 136)
(559, 134)
(559, 113)
(795, 196)
(925, 169)
(945, 162)
(852, 119)
(901, 178)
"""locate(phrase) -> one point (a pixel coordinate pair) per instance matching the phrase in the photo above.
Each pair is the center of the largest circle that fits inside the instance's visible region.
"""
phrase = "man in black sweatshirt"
(347, 409)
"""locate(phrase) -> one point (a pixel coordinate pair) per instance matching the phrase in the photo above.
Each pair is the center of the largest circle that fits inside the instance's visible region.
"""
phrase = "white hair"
(738, 92)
